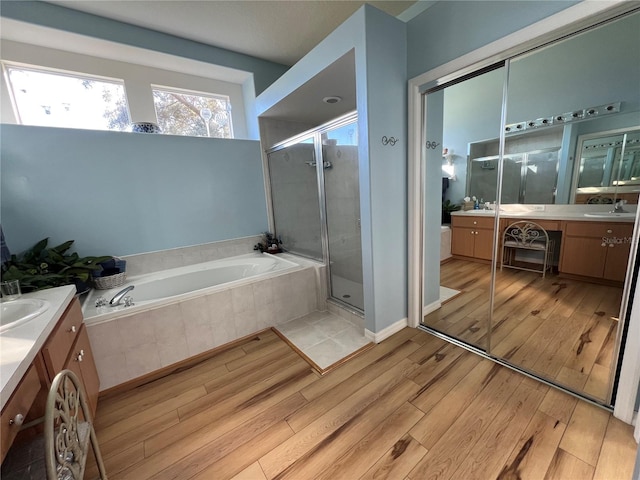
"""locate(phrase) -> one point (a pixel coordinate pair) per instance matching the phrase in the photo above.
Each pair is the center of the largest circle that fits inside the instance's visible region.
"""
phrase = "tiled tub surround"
(143, 263)
(137, 344)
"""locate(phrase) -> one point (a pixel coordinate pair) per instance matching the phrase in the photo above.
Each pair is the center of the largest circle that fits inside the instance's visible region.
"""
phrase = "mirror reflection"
(553, 103)
(562, 240)
(608, 163)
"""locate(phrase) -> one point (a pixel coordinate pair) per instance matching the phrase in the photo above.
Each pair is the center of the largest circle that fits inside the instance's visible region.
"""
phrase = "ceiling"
(282, 31)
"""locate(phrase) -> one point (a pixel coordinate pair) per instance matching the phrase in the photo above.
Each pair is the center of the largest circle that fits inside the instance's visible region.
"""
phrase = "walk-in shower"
(315, 198)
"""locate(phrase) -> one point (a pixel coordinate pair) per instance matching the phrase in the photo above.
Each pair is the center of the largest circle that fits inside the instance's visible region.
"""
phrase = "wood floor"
(413, 407)
(560, 329)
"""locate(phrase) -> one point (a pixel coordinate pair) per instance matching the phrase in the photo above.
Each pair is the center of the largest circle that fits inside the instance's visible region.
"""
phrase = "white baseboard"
(432, 307)
(377, 337)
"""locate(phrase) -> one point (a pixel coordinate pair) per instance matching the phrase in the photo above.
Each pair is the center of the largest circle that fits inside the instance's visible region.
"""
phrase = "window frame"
(8, 65)
(186, 91)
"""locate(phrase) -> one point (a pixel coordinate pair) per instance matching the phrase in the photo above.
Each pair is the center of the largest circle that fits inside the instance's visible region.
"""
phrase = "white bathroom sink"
(611, 215)
(17, 312)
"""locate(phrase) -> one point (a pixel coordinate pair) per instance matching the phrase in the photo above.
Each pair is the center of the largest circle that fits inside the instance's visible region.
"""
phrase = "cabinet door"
(56, 349)
(483, 244)
(81, 363)
(462, 241)
(583, 256)
(615, 268)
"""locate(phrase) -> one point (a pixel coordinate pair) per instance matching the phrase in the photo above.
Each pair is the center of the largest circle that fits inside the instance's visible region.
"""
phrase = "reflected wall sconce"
(448, 156)
(448, 170)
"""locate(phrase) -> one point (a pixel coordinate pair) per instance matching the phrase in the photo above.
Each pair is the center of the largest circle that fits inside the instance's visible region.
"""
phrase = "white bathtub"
(181, 283)
(445, 242)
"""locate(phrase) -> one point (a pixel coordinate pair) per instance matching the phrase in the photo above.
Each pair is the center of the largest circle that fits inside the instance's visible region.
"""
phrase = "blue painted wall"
(123, 193)
(450, 29)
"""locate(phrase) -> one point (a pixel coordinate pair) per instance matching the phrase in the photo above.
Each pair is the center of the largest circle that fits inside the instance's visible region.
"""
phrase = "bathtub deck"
(324, 339)
(411, 406)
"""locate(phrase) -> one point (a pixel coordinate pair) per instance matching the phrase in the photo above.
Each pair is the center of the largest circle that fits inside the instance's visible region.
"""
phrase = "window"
(182, 112)
(54, 99)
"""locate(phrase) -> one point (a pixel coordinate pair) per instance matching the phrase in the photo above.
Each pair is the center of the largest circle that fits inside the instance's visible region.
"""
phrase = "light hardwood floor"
(413, 407)
(560, 329)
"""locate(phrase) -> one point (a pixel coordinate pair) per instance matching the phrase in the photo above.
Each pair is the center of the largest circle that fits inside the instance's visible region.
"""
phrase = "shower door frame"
(316, 134)
(567, 22)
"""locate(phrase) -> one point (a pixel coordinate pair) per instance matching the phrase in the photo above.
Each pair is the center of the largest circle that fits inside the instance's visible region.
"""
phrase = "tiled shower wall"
(138, 344)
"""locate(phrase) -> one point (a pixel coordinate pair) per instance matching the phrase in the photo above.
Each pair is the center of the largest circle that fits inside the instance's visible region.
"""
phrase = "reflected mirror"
(607, 167)
(559, 95)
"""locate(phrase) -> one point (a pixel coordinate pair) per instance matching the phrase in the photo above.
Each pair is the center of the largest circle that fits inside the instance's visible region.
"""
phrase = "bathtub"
(445, 242)
(181, 283)
(183, 312)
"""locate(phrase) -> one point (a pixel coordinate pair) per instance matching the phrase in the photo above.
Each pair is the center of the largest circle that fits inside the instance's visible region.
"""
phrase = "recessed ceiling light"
(331, 99)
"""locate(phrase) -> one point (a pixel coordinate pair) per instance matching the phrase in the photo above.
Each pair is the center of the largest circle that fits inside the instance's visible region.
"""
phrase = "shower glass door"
(295, 199)
(342, 201)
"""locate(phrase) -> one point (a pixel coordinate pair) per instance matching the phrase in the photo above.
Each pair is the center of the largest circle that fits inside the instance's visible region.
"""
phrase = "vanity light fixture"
(559, 118)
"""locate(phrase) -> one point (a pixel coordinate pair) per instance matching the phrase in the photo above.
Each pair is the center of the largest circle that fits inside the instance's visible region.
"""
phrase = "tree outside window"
(193, 114)
(67, 99)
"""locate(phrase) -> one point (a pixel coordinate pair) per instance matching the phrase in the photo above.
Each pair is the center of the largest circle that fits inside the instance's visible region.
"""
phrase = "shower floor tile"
(325, 339)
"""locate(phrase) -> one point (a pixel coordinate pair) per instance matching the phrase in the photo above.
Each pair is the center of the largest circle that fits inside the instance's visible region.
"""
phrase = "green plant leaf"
(63, 247)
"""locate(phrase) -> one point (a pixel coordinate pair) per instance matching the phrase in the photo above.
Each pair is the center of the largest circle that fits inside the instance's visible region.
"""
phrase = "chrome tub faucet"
(121, 295)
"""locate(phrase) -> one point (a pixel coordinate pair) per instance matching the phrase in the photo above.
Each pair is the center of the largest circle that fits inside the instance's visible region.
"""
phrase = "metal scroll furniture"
(525, 236)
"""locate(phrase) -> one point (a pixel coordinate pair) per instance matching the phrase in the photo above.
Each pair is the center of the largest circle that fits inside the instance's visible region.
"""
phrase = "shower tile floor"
(324, 338)
(348, 291)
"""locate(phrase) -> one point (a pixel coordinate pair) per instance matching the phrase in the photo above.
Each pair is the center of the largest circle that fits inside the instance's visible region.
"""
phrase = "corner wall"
(379, 41)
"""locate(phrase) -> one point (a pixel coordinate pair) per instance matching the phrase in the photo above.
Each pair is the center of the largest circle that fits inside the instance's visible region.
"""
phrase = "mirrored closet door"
(565, 263)
(456, 290)
(543, 163)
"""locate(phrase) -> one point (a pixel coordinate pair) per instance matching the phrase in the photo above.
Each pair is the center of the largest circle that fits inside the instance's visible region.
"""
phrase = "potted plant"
(447, 208)
(270, 244)
(41, 267)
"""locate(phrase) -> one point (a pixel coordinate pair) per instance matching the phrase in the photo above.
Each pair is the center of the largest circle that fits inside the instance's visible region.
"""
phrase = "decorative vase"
(144, 127)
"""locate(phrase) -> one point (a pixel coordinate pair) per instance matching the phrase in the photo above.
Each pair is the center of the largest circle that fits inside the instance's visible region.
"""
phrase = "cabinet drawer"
(549, 225)
(56, 350)
(472, 221)
(19, 403)
(597, 229)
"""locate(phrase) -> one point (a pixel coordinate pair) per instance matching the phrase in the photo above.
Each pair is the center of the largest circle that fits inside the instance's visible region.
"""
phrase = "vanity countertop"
(20, 345)
(582, 213)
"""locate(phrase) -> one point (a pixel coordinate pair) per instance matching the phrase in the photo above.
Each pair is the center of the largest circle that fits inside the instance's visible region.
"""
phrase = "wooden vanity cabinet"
(68, 348)
(472, 236)
(19, 405)
(596, 249)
